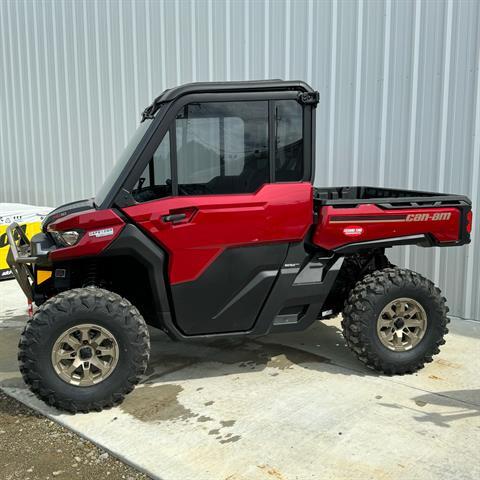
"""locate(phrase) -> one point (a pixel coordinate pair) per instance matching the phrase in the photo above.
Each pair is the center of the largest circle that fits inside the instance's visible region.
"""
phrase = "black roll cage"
(166, 106)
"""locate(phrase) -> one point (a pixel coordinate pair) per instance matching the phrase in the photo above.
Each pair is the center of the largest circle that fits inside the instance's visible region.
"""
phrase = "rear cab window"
(288, 141)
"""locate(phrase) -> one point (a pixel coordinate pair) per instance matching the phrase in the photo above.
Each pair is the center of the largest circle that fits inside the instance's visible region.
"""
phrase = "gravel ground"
(33, 447)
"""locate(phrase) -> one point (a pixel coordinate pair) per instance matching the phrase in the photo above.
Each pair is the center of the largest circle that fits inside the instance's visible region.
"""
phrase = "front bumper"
(20, 260)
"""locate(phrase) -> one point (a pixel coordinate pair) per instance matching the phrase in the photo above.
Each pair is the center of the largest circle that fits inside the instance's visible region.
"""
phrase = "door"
(210, 198)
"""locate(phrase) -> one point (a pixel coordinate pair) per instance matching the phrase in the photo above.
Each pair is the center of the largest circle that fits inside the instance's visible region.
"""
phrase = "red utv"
(209, 226)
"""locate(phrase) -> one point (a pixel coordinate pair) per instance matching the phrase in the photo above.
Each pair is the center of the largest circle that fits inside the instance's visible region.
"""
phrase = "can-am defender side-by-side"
(209, 226)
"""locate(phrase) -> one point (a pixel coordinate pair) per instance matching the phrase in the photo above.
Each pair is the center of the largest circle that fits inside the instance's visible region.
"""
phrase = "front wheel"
(84, 350)
(395, 320)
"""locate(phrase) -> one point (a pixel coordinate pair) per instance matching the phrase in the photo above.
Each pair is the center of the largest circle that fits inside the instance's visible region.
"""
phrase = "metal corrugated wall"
(399, 85)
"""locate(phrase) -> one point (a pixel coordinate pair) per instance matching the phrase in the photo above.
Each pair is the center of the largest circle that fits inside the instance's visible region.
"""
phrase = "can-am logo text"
(425, 217)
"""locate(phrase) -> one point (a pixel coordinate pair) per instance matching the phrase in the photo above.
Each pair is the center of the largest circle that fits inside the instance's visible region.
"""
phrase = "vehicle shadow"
(321, 348)
(451, 403)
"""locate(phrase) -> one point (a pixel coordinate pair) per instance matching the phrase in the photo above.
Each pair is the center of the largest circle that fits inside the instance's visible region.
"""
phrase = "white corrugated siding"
(399, 85)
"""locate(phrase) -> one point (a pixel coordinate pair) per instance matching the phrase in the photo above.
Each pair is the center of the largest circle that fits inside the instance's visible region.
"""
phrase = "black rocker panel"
(228, 296)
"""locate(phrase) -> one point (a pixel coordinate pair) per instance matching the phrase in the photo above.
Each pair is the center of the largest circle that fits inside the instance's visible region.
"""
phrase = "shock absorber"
(91, 274)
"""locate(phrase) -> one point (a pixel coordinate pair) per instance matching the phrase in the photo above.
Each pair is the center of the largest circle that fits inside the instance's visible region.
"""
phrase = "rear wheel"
(395, 320)
(84, 350)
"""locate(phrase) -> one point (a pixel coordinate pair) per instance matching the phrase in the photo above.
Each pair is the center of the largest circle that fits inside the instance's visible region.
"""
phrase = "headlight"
(66, 239)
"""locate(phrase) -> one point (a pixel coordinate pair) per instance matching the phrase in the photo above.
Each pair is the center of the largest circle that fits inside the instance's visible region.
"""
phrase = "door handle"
(175, 217)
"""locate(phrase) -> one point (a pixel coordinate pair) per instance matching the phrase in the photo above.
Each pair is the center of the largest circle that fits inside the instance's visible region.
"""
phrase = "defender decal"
(106, 232)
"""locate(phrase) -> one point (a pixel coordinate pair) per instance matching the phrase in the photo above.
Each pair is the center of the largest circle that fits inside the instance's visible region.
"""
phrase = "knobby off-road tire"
(113, 315)
(367, 302)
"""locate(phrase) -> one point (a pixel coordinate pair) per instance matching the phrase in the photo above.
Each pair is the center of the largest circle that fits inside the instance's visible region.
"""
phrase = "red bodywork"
(340, 226)
(276, 213)
(88, 222)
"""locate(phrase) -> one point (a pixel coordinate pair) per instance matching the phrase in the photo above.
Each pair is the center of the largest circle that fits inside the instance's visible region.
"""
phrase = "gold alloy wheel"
(402, 324)
(85, 355)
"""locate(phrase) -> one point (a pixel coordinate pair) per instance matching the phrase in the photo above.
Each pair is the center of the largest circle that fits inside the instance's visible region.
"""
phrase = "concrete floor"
(282, 407)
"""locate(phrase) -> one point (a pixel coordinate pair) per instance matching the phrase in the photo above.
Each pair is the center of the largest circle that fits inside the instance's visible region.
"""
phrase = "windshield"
(121, 162)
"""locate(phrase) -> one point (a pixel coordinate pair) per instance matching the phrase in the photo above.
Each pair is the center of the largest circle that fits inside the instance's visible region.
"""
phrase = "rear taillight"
(469, 221)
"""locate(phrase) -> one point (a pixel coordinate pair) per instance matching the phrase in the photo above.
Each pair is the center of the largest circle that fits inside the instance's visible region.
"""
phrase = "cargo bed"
(353, 218)
(387, 197)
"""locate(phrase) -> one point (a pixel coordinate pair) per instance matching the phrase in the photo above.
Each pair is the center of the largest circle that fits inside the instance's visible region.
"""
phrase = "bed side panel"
(340, 226)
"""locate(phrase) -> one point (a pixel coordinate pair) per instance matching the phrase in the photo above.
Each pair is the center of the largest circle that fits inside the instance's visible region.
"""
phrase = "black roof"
(224, 87)
(221, 87)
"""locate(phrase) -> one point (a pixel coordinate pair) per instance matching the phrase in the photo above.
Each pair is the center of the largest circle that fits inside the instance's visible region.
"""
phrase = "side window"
(156, 180)
(222, 147)
(289, 141)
